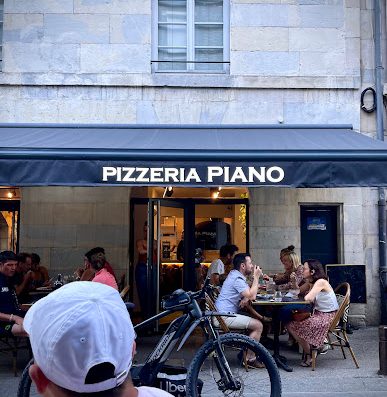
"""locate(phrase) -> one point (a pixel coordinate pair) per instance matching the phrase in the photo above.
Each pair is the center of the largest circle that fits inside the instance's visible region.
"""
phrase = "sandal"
(306, 362)
(255, 363)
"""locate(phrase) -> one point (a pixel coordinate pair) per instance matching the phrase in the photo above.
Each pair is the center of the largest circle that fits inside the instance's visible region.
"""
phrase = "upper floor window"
(190, 36)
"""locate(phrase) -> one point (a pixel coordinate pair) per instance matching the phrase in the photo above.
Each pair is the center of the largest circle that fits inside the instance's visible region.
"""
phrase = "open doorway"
(186, 234)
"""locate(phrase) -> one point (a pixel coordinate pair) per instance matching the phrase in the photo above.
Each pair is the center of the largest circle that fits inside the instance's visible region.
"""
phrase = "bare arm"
(319, 285)
(304, 288)
(20, 288)
(251, 293)
(141, 247)
(44, 273)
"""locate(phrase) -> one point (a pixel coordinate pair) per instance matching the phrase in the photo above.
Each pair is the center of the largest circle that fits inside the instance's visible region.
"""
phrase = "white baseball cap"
(77, 327)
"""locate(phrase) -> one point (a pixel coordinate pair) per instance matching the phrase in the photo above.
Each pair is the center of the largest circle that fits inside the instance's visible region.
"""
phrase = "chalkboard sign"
(352, 274)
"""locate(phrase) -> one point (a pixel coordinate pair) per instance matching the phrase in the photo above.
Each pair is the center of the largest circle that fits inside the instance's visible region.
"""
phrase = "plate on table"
(265, 297)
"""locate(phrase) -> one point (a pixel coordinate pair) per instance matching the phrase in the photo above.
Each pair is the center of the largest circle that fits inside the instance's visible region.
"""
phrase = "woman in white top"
(312, 331)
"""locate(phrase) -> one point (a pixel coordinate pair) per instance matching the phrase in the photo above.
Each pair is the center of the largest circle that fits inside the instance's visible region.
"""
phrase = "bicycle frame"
(145, 374)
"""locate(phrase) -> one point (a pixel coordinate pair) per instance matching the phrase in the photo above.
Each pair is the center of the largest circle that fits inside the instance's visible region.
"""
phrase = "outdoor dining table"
(39, 293)
(276, 307)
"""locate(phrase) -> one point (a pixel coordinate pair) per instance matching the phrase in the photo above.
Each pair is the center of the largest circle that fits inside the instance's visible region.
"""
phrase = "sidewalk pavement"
(334, 376)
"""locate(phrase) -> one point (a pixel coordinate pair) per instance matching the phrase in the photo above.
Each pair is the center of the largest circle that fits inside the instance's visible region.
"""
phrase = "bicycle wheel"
(26, 388)
(224, 355)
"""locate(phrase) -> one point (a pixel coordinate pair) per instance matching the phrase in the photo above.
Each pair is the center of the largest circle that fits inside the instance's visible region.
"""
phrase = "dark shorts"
(6, 328)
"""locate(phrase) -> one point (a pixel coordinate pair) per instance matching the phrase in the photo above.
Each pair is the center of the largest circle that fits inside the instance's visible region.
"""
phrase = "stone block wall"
(62, 223)
(311, 44)
(275, 224)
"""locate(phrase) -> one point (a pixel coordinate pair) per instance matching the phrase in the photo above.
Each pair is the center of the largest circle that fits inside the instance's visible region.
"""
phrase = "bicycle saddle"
(176, 299)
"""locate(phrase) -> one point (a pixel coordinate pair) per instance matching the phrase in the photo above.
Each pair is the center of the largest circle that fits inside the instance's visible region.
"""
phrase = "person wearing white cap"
(83, 341)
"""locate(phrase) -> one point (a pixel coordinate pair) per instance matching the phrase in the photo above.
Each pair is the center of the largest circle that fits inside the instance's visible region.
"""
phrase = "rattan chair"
(210, 305)
(338, 328)
(210, 296)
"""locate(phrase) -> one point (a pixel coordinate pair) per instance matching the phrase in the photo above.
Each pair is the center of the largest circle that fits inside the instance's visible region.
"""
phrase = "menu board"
(354, 275)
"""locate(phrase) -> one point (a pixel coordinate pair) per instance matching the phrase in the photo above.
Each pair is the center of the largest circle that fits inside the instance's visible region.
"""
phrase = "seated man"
(101, 252)
(40, 275)
(22, 279)
(85, 273)
(234, 290)
(83, 342)
(11, 315)
(222, 265)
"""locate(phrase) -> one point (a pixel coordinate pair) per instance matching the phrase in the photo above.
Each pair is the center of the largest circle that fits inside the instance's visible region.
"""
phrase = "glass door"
(166, 252)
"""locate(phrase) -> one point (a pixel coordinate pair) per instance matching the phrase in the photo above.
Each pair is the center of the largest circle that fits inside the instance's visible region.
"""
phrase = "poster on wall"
(316, 223)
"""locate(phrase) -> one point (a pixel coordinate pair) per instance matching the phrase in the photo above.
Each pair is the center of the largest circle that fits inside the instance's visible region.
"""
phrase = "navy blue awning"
(199, 155)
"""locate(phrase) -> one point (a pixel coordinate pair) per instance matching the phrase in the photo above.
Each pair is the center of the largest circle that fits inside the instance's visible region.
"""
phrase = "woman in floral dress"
(311, 332)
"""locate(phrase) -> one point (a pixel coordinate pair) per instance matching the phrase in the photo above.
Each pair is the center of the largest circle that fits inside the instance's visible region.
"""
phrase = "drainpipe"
(380, 136)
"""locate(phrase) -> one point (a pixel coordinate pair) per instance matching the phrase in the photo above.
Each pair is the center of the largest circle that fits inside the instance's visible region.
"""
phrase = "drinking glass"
(278, 296)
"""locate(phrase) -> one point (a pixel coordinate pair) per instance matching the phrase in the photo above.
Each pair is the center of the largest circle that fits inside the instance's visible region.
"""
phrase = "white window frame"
(190, 40)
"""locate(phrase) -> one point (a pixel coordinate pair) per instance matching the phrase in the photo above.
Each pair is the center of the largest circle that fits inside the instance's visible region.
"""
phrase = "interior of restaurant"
(188, 226)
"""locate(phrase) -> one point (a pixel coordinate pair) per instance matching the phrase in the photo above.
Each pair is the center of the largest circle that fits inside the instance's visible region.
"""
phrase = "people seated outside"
(11, 315)
(222, 265)
(292, 278)
(235, 293)
(22, 278)
(40, 277)
(102, 275)
(83, 343)
(311, 333)
(85, 273)
(101, 252)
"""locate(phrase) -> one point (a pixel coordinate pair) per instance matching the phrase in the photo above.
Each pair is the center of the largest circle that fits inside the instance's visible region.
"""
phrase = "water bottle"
(58, 282)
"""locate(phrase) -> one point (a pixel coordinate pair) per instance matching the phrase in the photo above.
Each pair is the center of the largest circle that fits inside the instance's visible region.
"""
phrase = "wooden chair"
(210, 305)
(222, 326)
(124, 292)
(122, 282)
(338, 327)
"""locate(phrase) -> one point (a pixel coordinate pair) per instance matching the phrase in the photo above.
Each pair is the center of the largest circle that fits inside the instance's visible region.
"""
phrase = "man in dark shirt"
(11, 316)
(22, 278)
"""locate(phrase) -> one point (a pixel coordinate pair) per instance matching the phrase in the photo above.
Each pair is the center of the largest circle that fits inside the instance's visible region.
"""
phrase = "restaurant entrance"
(186, 235)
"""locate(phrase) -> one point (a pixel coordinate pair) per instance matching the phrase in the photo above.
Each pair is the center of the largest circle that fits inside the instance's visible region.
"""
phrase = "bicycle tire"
(24, 387)
(237, 341)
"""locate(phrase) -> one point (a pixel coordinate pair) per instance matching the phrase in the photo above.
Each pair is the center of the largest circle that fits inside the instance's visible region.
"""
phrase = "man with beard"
(233, 295)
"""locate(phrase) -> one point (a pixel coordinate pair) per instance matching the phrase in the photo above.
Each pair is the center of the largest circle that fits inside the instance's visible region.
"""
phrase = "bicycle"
(215, 370)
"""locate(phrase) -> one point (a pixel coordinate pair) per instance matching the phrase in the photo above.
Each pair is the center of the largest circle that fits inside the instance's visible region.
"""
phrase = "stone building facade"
(90, 61)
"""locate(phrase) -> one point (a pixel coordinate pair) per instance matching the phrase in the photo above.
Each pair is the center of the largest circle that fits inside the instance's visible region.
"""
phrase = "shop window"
(190, 36)
(9, 225)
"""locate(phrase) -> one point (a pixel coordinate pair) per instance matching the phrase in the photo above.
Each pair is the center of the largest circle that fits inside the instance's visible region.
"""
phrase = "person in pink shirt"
(101, 274)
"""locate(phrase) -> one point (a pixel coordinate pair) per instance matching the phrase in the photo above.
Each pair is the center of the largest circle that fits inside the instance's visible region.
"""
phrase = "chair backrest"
(124, 292)
(122, 283)
(343, 293)
(211, 306)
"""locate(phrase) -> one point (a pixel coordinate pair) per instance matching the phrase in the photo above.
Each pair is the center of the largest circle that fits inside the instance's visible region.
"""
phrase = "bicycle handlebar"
(200, 294)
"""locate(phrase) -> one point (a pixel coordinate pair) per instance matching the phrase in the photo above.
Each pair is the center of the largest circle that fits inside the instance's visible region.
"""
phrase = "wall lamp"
(168, 191)
(10, 193)
(215, 192)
